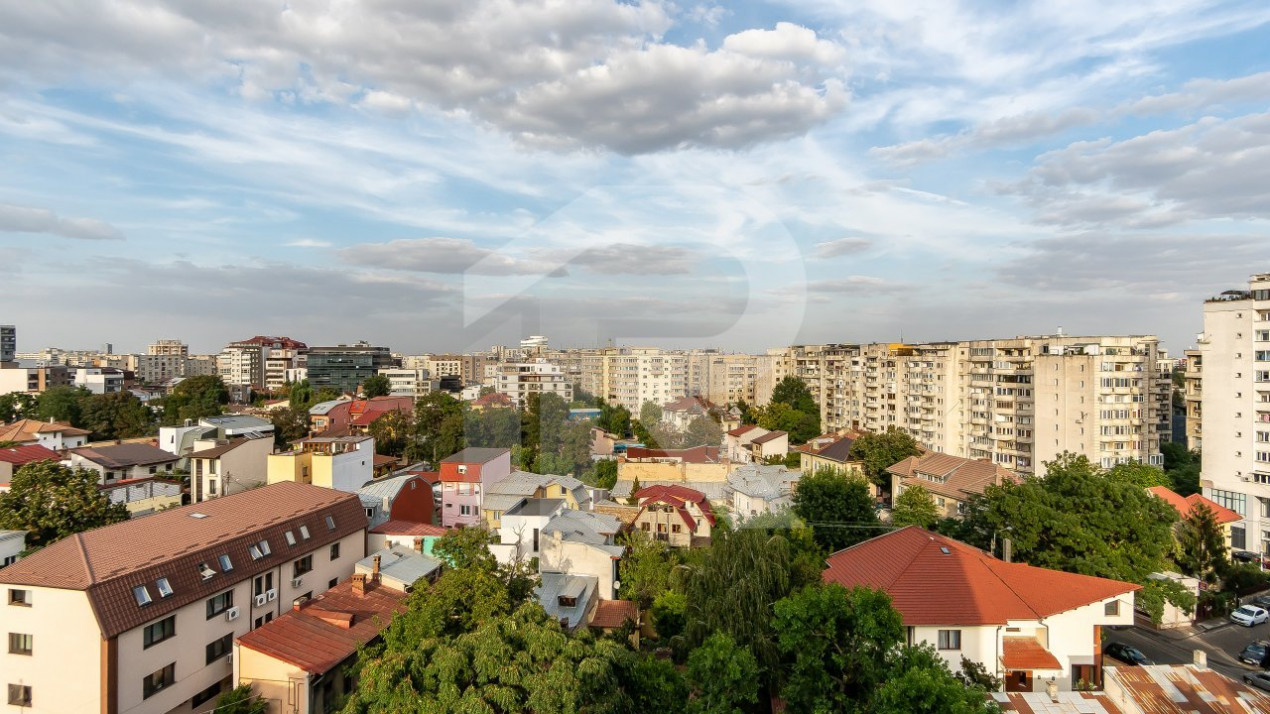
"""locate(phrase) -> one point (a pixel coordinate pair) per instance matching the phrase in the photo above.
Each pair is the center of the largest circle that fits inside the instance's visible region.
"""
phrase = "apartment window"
(1236, 502)
(219, 648)
(220, 603)
(21, 598)
(142, 595)
(20, 644)
(303, 565)
(20, 695)
(304, 532)
(330, 523)
(263, 583)
(335, 551)
(950, 639)
(290, 537)
(158, 680)
(1238, 541)
(207, 695)
(156, 632)
(226, 564)
(211, 487)
(465, 510)
(1111, 608)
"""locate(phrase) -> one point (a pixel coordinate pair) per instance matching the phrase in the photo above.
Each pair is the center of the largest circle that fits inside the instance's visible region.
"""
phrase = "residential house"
(140, 617)
(1184, 506)
(364, 412)
(582, 543)
(99, 380)
(400, 567)
(12, 543)
(493, 400)
(403, 497)
(758, 489)
(835, 454)
(50, 434)
(1025, 625)
(520, 532)
(951, 480)
(137, 475)
(464, 477)
(229, 466)
(408, 534)
(204, 434)
(330, 415)
(610, 616)
(679, 516)
(15, 457)
(344, 463)
(773, 444)
(736, 443)
(504, 495)
(570, 600)
(681, 412)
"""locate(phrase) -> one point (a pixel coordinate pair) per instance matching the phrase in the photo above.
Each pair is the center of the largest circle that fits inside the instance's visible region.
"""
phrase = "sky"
(442, 176)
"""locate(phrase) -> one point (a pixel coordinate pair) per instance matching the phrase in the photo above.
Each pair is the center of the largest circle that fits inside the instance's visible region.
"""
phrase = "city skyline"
(738, 177)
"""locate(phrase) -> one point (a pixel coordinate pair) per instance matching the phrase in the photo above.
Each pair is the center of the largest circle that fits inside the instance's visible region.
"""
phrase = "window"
(256, 553)
(219, 648)
(465, 510)
(211, 487)
(20, 695)
(335, 551)
(1236, 502)
(21, 598)
(336, 581)
(157, 632)
(303, 565)
(165, 588)
(264, 547)
(566, 601)
(290, 537)
(226, 564)
(330, 523)
(304, 532)
(158, 680)
(142, 595)
(676, 528)
(1111, 608)
(20, 644)
(1237, 539)
(263, 583)
(950, 639)
(206, 695)
(220, 603)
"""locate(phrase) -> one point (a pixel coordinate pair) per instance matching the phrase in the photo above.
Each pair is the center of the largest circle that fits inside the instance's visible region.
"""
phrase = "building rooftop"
(743, 429)
(222, 447)
(171, 545)
(693, 455)
(763, 480)
(28, 453)
(714, 490)
(475, 455)
(328, 629)
(24, 430)
(399, 568)
(237, 423)
(536, 507)
(1184, 506)
(580, 588)
(935, 580)
(584, 527)
(839, 450)
(1155, 688)
(408, 528)
(123, 456)
(769, 436)
(612, 614)
(951, 476)
(389, 486)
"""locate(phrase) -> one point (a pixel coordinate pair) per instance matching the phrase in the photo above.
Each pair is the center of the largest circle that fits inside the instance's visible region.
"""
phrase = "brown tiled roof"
(221, 448)
(694, 455)
(122, 456)
(769, 436)
(1184, 506)
(27, 453)
(742, 429)
(408, 528)
(108, 562)
(329, 628)
(935, 580)
(24, 430)
(1026, 653)
(961, 477)
(612, 614)
(839, 450)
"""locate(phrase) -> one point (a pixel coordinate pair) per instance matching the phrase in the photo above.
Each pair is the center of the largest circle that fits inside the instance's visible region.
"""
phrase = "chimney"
(50, 420)
(1051, 688)
(359, 583)
(1007, 550)
(1201, 659)
(374, 573)
(418, 545)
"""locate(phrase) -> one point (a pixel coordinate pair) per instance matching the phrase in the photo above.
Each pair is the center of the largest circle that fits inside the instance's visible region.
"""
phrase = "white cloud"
(307, 243)
(440, 255)
(27, 219)
(842, 246)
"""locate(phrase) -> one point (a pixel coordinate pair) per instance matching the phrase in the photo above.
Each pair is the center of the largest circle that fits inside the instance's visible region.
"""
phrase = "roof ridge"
(83, 556)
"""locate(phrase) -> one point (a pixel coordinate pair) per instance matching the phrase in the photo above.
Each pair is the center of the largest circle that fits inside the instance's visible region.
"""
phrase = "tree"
(793, 391)
(116, 416)
(240, 700)
(64, 404)
(17, 405)
(605, 474)
(878, 452)
(301, 395)
(650, 413)
(376, 385)
(466, 549)
(438, 430)
(1139, 474)
(919, 682)
(645, 571)
(1201, 545)
(290, 425)
(704, 430)
(914, 507)
(492, 427)
(614, 419)
(1182, 467)
(51, 501)
(668, 614)
(194, 398)
(392, 431)
(724, 677)
(838, 507)
(976, 673)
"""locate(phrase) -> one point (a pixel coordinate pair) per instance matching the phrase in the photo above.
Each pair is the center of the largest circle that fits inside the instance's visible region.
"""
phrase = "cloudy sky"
(444, 175)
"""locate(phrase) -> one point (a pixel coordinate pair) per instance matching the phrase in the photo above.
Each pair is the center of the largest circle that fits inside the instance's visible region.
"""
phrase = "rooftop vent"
(198, 515)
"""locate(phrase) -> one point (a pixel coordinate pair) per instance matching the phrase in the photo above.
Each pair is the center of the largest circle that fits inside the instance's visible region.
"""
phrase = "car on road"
(1260, 680)
(1256, 654)
(1249, 615)
(1125, 653)
(1262, 601)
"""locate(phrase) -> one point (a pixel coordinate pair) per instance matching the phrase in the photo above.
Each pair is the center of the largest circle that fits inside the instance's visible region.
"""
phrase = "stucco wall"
(64, 671)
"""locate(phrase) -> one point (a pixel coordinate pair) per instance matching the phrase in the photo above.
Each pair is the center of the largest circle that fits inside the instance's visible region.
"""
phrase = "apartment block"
(156, 369)
(168, 348)
(630, 376)
(1232, 382)
(1193, 400)
(518, 380)
(409, 382)
(8, 343)
(344, 367)
(34, 380)
(260, 362)
(140, 617)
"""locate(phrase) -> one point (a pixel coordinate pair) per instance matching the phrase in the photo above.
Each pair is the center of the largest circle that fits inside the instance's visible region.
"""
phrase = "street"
(1222, 645)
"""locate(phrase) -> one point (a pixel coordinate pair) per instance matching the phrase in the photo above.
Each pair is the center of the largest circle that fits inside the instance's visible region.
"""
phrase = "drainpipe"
(1000, 668)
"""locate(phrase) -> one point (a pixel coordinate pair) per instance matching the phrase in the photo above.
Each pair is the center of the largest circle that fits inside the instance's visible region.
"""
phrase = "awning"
(1027, 653)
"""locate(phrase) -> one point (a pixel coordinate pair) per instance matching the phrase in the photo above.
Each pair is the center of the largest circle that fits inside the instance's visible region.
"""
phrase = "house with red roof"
(1027, 625)
(54, 435)
(1186, 505)
(676, 515)
(15, 457)
(736, 442)
(951, 480)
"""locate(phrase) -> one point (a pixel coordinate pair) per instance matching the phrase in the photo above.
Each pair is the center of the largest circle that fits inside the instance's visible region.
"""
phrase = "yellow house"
(823, 453)
(504, 495)
(344, 463)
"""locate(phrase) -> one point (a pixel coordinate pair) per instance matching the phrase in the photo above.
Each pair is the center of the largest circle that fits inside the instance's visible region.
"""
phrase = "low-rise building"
(229, 466)
(758, 489)
(407, 534)
(681, 412)
(34, 380)
(1185, 506)
(12, 543)
(403, 497)
(195, 436)
(50, 434)
(521, 531)
(833, 454)
(117, 462)
(1154, 688)
(140, 617)
(736, 443)
(15, 457)
(520, 380)
(773, 444)
(951, 480)
(675, 515)
(99, 380)
(344, 463)
(1025, 625)
(413, 383)
(464, 478)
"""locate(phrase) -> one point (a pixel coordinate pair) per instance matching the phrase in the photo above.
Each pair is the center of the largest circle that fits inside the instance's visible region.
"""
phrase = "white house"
(520, 531)
(736, 443)
(1029, 626)
(581, 543)
(221, 467)
(49, 434)
(99, 380)
(756, 489)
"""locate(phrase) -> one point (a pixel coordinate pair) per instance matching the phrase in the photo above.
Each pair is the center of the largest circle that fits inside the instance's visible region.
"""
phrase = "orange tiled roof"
(24, 430)
(1184, 506)
(961, 476)
(611, 614)
(408, 528)
(1026, 653)
(935, 580)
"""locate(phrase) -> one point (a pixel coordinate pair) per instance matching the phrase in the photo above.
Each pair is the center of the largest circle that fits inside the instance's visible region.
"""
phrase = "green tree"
(838, 507)
(392, 432)
(17, 405)
(1182, 467)
(241, 700)
(492, 427)
(614, 419)
(976, 673)
(650, 413)
(1156, 592)
(704, 430)
(724, 677)
(1201, 545)
(51, 501)
(919, 682)
(439, 428)
(1139, 474)
(668, 614)
(466, 549)
(605, 474)
(116, 416)
(289, 426)
(793, 392)
(194, 398)
(64, 404)
(376, 385)
(325, 394)
(301, 395)
(914, 507)
(645, 570)
(878, 452)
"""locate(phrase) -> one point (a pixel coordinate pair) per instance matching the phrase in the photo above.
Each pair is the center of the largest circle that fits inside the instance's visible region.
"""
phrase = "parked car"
(1125, 653)
(1260, 680)
(1249, 615)
(1256, 654)
(1262, 601)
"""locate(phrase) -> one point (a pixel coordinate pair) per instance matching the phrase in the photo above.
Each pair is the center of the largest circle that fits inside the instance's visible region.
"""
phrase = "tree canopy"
(1201, 545)
(195, 398)
(51, 501)
(839, 507)
(878, 452)
(792, 410)
(116, 416)
(376, 385)
(914, 507)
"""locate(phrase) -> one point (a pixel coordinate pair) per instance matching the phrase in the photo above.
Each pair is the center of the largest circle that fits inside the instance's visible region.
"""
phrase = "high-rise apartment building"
(1193, 399)
(8, 343)
(344, 367)
(518, 380)
(175, 348)
(1232, 380)
(260, 362)
(630, 376)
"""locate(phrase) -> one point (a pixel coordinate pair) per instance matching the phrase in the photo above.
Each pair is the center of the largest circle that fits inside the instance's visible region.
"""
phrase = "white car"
(1249, 615)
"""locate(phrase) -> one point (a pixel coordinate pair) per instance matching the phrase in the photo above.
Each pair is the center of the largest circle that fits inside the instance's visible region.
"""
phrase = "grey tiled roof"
(762, 481)
(583, 527)
(581, 587)
(519, 483)
(400, 567)
(537, 507)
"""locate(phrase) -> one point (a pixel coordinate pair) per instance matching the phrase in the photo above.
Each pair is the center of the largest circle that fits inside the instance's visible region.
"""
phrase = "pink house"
(464, 477)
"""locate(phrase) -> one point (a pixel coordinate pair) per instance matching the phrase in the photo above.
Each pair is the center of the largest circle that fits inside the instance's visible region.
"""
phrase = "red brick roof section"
(28, 453)
(677, 496)
(328, 629)
(612, 614)
(934, 580)
(407, 528)
(742, 429)
(1184, 506)
(694, 455)
(1026, 653)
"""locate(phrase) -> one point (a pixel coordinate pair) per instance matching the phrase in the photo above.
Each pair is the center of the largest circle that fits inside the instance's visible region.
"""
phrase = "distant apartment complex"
(344, 367)
(518, 380)
(261, 362)
(8, 343)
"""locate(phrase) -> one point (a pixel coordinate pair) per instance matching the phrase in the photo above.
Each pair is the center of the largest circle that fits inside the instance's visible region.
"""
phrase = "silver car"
(1249, 615)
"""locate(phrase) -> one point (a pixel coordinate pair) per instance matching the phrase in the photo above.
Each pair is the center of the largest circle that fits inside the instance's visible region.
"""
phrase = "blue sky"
(445, 176)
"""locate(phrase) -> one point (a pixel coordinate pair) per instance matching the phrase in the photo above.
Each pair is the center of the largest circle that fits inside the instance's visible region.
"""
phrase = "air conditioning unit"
(261, 600)
(296, 582)
(271, 595)
(231, 614)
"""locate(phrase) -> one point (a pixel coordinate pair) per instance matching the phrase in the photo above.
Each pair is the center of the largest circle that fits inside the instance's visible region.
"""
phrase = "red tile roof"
(24, 430)
(769, 436)
(1026, 653)
(679, 497)
(1184, 506)
(742, 429)
(952, 476)
(493, 399)
(935, 580)
(28, 453)
(612, 614)
(694, 455)
(329, 628)
(408, 528)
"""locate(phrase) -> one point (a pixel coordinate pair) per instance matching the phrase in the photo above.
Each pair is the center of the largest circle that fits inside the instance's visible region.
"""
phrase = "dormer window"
(254, 551)
(330, 523)
(290, 537)
(225, 563)
(165, 589)
(264, 547)
(206, 571)
(566, 601)
(142, 595)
